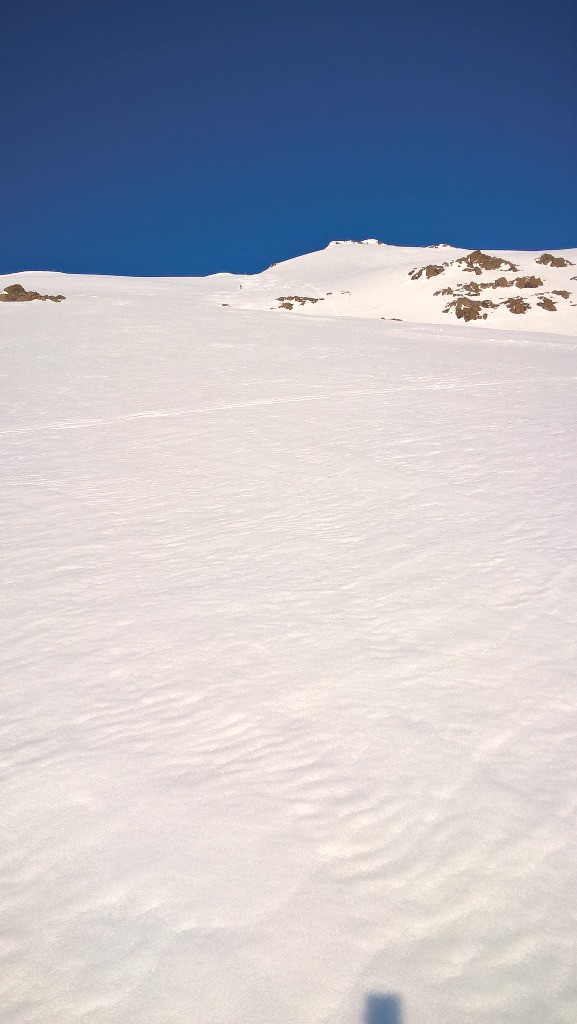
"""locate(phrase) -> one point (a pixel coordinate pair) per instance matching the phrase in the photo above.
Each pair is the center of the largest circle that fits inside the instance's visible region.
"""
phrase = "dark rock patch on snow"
(470, 309)
(548, 260)
(285, 300)
(17, 293)
(432, 270)
(476, 262)
(516, 304)
(528, 282)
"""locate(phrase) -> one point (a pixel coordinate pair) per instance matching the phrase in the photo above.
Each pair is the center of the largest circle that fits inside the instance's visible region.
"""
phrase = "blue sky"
(186, 138)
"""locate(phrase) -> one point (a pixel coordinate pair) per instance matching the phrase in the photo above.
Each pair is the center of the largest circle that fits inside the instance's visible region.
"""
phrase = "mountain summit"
(435, 284)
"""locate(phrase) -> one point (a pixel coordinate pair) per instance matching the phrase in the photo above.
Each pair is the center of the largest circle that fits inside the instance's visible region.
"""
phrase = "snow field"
(288, 664)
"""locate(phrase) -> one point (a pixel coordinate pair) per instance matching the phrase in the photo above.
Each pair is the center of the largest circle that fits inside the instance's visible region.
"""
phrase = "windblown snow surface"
(288, 663)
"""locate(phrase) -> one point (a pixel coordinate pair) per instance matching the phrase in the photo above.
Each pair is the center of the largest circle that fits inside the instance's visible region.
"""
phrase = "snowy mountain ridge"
(438, 284)
(434, 284)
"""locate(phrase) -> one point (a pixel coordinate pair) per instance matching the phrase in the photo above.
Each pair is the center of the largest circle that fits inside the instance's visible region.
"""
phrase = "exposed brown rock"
(445, 291)
(477, 261)
(547, 303)
(17, 293)
(528, 282)
(471, 288)
(470, 309)
(476, 287)
(432, 270)
(286, 305)
(301, 299)
(548, 260)
(562, 293)
(516, 304)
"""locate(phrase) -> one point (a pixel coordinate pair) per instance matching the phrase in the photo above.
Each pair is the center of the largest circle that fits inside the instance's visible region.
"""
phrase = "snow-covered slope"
(439, 284)
(370, 279)
(288, 657)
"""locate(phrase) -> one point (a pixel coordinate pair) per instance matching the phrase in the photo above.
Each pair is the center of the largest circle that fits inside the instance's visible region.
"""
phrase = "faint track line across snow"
(433, 385)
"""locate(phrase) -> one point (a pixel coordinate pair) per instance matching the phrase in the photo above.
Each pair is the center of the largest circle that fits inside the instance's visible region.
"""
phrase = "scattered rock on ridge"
(431, 270)
(548, 260)
(470, 309)
(358, 241)
(17, 293)
(548, 304)
(516, 304)
(528, 282)
(476, 262)
(471, 288)
(301, 299)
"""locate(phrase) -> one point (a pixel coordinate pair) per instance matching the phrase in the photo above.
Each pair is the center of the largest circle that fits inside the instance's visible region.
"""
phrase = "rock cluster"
(432, 270)
(548, 260)
(476, 262)
(17, 293)
(466, 303)
(288, 301)
(470, 309)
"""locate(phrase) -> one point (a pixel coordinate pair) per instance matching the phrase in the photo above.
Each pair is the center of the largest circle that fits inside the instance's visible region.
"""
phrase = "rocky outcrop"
(467, 309)
(516, 304)
(470, 309)
(476, 262)
(528, 282)
(548, 260)
(548, 304)
(432, 270)
(288, 301)
(17, 293)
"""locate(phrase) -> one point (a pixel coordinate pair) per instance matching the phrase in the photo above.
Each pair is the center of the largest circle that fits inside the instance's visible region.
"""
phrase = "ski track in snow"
(288, 669)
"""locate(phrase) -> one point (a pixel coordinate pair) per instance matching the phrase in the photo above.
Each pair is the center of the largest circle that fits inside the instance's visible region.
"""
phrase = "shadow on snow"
(382, 1010)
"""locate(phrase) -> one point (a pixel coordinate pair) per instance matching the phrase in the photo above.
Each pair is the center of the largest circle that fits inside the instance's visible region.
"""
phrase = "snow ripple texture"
(288, 666)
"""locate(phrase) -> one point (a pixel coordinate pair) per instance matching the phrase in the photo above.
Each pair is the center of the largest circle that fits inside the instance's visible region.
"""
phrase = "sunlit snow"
(288, 659)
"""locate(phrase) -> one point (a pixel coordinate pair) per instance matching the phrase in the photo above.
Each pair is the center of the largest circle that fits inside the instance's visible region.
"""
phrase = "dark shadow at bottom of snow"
(382, 1010)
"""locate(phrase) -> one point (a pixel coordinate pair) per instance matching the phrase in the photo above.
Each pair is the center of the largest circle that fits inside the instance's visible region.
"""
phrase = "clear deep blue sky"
(184, 138)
